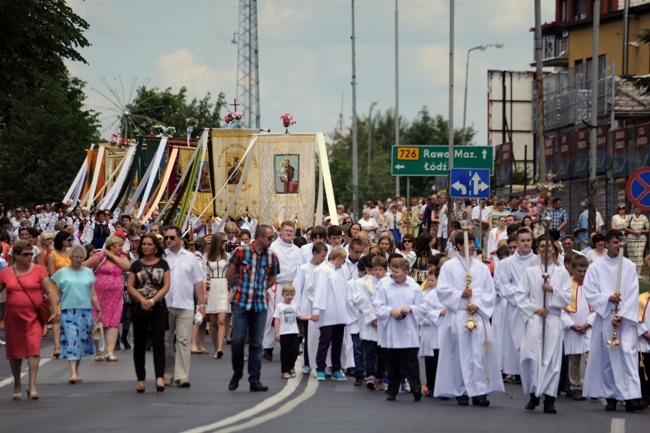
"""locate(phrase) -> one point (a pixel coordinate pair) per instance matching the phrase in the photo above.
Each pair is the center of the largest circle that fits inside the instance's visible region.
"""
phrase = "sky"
(305, 54)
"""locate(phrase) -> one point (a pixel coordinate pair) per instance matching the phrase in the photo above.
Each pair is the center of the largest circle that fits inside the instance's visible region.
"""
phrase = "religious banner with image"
(204, 194)
(288, 178)
(229, 146)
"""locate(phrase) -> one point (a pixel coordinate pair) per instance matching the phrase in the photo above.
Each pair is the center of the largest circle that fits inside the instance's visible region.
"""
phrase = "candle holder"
(614, 341)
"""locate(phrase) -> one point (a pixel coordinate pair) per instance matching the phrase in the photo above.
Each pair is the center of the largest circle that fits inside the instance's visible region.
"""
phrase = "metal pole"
(525, 168)
(396, 92)
(593, 136)
(355, 164)
(626, 31)
(450, 137)
(462, 141)
(539, 76)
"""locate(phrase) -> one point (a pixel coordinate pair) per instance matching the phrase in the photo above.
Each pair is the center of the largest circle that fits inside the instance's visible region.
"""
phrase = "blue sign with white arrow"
(470, 183)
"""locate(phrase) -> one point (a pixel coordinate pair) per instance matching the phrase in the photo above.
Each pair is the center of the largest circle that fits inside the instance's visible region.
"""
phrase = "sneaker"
(406, 387)
(320, 376)
(286, 376)
(306, 370)
(370, 383)
(339, 375)
(328, 371)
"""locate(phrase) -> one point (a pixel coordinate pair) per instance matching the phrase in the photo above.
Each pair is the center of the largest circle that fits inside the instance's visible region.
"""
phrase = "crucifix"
(235, 104)
(547, 187)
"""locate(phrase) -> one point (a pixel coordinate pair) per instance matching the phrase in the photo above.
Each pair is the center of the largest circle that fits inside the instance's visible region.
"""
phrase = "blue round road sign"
(638, 188)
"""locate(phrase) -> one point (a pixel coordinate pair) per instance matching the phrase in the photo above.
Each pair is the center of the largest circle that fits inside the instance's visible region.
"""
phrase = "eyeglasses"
(621, 208)
(170, 238)
(27, 254)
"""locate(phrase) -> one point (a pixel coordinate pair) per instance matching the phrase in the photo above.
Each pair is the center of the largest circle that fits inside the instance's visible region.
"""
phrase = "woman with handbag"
(27, 284)
(109, 266)
(148, 283)
(77, 286)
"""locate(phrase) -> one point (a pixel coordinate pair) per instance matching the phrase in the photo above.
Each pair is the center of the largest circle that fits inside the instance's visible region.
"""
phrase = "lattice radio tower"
(248, 77)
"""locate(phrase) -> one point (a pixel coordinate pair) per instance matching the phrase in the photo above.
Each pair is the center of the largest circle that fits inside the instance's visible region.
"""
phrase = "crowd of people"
(491, 292)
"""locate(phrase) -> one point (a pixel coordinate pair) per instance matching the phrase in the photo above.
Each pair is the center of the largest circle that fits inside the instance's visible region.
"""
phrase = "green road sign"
(415, 160)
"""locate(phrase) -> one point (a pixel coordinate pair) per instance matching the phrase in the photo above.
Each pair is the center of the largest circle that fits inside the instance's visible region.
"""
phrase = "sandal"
(99, 358)
(111, 358)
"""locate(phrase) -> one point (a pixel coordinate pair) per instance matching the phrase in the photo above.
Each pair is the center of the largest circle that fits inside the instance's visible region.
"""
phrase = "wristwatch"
(152, 302)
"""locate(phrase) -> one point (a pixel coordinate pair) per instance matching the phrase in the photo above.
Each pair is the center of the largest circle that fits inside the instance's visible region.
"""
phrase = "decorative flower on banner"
(287, 121)
(116, 137)
(169, 131)
(233, 119)
(191, 122)
(158, 128)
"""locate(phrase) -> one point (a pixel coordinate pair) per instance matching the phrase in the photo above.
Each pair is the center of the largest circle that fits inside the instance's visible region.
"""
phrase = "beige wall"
(611, 43)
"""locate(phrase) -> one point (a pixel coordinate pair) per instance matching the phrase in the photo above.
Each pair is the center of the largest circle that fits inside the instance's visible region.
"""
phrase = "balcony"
(555, 51)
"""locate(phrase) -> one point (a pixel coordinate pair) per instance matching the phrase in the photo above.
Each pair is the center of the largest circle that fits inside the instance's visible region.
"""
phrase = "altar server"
(644, 346)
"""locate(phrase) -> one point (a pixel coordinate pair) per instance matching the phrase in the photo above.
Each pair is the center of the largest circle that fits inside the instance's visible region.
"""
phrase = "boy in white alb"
(304, 284)
(399, 305)
(431, 319)
(330, 313)
(577, 320)
(285, 322)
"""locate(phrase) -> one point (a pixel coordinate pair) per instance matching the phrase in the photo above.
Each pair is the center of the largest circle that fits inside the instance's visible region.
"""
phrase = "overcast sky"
(305, 53)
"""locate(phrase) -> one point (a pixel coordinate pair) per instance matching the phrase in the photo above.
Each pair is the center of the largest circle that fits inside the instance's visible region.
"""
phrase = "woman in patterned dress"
(76, 284)
(110, 265)
(637, 237)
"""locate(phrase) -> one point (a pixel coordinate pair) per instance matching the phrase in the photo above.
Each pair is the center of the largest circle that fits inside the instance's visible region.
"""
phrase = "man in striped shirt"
(252, 269)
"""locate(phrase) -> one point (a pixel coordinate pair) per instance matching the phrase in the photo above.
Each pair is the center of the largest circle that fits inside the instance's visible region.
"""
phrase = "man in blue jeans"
(252, 269)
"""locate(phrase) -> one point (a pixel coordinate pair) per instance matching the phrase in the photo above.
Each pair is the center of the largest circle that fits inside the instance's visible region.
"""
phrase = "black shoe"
(463, 400)
(125, 342)
(549, 404)
(417, 395)
(577, 396)
(268, 354)
(429, 393)
(633, 405)
(258, 387)
(611, 405)
(359, 381)
(234, 382)
(391, 397)
(481, 401)
(532, 403)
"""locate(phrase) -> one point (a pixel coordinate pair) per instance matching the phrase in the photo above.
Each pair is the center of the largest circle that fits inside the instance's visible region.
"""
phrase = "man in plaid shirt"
(559, 217)
(252, 269)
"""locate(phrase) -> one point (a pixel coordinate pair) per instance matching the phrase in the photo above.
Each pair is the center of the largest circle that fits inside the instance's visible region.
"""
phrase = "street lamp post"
(369, 134)
(482, 48)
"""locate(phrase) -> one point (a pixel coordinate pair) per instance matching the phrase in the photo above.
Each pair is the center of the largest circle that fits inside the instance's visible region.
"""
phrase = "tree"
(378, 183)
(36, 36)
(152, 106)
(43, 146)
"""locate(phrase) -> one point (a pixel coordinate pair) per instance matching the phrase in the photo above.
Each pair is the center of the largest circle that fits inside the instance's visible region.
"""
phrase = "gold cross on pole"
(548, 187)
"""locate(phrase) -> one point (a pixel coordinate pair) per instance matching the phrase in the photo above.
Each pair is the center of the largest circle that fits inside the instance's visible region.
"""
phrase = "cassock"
(289, 258)
(613, 372)
(577, 312)
(468, 363)
(508, 276)
(540, 370)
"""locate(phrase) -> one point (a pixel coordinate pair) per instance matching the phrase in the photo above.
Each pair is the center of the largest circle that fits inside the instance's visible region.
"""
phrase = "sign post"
(638, 189)
(434, 160)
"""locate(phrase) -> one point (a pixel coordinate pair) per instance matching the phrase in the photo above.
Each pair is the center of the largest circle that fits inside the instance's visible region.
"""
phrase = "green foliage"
(42, 148)
(640, 83)
(152, 106)
(375, 181)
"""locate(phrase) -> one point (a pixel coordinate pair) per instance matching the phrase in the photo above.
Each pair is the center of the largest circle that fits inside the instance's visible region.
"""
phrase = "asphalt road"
(106, 401)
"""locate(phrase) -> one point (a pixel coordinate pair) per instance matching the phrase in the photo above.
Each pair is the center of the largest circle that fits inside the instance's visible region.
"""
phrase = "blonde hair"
(288, 288)
(113, 240)
(363, 237)
(338, 253)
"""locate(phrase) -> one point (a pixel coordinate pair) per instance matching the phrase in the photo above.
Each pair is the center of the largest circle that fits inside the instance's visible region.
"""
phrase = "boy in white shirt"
(330, 312)
(399, 305)
(285, 322)
(432, 318)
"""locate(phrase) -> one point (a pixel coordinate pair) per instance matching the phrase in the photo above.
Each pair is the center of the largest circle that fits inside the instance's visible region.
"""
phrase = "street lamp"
(482, 48)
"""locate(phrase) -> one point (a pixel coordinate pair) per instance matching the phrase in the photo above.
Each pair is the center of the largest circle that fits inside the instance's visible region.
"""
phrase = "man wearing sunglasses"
(187, 279)
(252, 269)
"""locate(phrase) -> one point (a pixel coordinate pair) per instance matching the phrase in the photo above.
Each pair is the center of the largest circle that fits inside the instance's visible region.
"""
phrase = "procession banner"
(564, 165)
(288, 178)
(228, 147)
(640, 154)
(619, 144)
(505, 164)
(601, 149)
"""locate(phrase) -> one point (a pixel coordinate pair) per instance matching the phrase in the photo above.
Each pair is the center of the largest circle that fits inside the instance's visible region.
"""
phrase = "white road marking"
(310, 390)
(289, 388)
(618, 425)
(10, 380)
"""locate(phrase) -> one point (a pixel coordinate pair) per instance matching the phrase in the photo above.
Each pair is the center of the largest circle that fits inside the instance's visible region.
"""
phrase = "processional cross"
(235, 104)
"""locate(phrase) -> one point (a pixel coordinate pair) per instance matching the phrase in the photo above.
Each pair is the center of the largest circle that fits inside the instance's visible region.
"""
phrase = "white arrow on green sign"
(425, 160)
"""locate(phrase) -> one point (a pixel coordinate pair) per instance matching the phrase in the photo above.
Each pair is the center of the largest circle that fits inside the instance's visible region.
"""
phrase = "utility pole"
(539, 77)
(355, 155)
(450, 137)
(593, 133)
(370, 136)
(397, 92)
